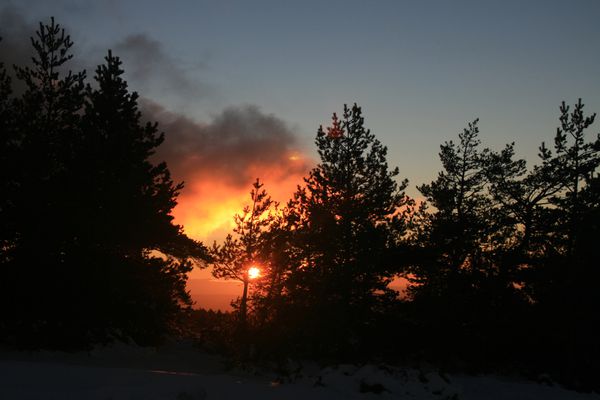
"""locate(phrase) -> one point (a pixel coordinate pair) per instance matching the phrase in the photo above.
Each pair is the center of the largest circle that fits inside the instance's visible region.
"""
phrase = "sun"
(253, 273)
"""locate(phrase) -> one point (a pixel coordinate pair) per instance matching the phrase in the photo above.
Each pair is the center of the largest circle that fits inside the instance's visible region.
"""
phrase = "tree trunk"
(243, 305)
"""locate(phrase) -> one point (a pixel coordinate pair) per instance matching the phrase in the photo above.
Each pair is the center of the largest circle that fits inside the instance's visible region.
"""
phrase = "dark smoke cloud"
(150, 68)
(15, 47)
(231, 148)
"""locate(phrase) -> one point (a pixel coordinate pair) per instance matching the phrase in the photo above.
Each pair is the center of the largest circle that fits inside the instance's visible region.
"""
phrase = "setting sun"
(253, 273)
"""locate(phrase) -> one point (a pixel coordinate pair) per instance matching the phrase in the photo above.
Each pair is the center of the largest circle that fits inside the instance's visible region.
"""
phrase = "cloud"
(15, 47)
(236, 144)
(153, 70)
(219, 161)
(149, 68)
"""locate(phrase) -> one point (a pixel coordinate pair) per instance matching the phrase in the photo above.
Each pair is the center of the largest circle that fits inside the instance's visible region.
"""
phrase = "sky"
(241, 87)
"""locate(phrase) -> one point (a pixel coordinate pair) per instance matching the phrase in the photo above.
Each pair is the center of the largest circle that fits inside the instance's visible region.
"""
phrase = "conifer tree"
(566, 179)
(460, 282)
(117, 148)
(344, 220)
(239, 253)
(578, 161)
(565, 285)
(276, 252)
(457, 228)
(522, 205)
(127, 200)
(44, 125)
(89, 249)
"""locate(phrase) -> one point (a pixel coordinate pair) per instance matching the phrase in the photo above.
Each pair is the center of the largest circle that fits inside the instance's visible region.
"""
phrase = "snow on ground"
(180, 372)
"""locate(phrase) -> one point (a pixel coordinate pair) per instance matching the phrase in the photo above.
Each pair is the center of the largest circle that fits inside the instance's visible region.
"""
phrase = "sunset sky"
(240, 87)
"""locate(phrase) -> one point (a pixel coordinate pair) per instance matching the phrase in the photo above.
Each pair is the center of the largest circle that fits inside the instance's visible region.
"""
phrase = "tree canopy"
(89, 250)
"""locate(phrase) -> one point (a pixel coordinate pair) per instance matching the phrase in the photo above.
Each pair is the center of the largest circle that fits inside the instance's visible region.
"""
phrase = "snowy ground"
(179, 372)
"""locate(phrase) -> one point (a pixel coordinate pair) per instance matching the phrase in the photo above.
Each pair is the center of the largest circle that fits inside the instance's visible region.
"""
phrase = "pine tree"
(461, 282)
(276, 252)
(562, 189)
(457, 228)
(126, 202)
(117, 148)
(237, 255)
(523, 201)
(345, 221)
(44, 125)
(578, 161)
(565, 284)
(89, 250)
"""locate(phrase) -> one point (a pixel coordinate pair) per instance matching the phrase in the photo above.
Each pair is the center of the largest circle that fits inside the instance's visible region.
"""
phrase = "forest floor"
(179, 371)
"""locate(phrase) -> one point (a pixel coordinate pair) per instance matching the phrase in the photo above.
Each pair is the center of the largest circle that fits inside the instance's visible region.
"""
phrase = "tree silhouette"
(234, 258)
(89, 249)
(578, 161)
(44, 126)
(344, 221)
(505, 256)
(461, 279)
(523, 201)
(549, 203)
(457, 227)
(565, 285)
(128, 201)
(277, 252)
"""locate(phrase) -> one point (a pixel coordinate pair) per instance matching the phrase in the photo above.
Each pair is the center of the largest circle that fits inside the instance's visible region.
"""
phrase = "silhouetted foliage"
(234, 258)
(459, 282)
(565, 285)
(457, 227)
(503, 262)
(45, 122)
(89, 250)
(343, 223)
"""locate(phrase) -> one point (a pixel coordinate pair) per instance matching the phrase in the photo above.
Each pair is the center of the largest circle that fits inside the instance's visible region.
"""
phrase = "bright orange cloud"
(206, 211)
(219, 161)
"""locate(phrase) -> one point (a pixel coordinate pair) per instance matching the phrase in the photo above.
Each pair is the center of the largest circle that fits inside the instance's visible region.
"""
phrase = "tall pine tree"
(459, 282)
(456, 228)
(89, 250)
(126, 202)
(345, 221)
(44, 125)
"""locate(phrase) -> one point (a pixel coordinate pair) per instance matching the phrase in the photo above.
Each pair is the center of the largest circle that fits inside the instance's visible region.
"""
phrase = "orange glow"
(206, 210)
(206, 207)
(207, 204)
(253, 273)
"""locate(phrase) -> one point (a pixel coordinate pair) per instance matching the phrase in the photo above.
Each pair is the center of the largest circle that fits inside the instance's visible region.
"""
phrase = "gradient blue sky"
(420, 70)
